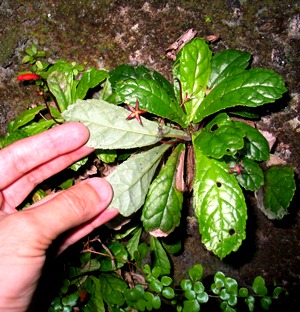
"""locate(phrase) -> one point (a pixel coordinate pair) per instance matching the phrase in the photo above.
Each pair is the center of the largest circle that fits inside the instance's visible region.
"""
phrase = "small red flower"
(28, 76)
(136, 112)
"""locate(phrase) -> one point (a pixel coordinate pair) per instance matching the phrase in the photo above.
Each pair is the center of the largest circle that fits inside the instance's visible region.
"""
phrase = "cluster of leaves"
(190, 126)
(194, 117)
(99, 289)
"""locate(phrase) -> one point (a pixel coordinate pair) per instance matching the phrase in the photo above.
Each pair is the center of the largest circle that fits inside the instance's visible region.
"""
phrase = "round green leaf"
(186, 284)
(259, 286)
(196, 272)
(191, 306)
(168, 293)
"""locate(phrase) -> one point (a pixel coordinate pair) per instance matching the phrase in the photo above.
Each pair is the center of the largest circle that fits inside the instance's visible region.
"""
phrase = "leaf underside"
(109, 128)
(131, 180)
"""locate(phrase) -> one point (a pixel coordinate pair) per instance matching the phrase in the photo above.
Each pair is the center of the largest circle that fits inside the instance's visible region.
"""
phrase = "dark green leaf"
(256, 145)
(259, 287)
(112, 287)
(95, 302)
(227, 63)
(152, 98)
(192, 70)
(251, 88)
(162, 208)
(265, 302)
(219, 206)
(90, 79)
(116, 259)
(225, 140)
(125, 72)
(160, 258)
(279, 190)
(248, 173)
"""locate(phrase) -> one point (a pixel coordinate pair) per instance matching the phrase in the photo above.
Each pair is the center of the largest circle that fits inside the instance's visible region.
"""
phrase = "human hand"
(26, 235)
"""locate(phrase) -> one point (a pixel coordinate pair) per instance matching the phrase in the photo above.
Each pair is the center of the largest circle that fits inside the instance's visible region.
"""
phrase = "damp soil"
(107, 33)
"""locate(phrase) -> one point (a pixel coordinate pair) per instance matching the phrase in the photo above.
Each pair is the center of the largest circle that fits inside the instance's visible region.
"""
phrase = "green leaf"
(259, 287)
(107, 156)
(186, 284)
(250, 301)
(251, 177)
(227, 63)
(243, 292)
(38, 127)
(109, 128)
(219, 206)
(90, 79)
(112, 287)
(162, 208)
(133, 243)
(95, 302)
(192, 70)
(26, 117)
(125, 72)
(131, 180)
(168, 293)
(279, 190)
(191, 306)
(256, 145)
(251, 88)
(160, 258)
(60, 84)
(265, 302)
(225, 140)
(120, 256)
(196, 272)
(156, 285)
(166, 280)
(152, 98)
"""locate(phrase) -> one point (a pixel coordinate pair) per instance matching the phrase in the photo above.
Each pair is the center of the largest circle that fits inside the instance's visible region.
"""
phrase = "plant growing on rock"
(190, 122)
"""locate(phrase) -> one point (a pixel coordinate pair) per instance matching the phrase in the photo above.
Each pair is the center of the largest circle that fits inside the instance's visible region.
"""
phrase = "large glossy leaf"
(109, 128)
(192, 70)
(224, 140)
(251, 88)
(162, 208)
(152, 98)
(227, 63)
(219, 206)
(131, 180)
(279, 190)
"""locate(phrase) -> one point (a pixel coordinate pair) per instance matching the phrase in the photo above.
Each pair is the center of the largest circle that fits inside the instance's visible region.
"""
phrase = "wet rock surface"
(108, 33)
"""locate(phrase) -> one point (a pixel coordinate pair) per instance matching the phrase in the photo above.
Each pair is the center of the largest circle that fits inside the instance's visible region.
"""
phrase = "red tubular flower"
(28, 76)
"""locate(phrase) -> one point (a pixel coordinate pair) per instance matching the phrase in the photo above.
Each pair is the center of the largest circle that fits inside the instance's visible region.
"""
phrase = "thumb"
(71, 208)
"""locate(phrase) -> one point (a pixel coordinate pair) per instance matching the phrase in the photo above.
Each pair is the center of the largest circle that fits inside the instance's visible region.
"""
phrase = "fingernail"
(102, 187)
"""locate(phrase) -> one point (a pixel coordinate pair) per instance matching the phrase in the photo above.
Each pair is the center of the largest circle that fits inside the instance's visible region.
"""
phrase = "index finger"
(24, 155)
